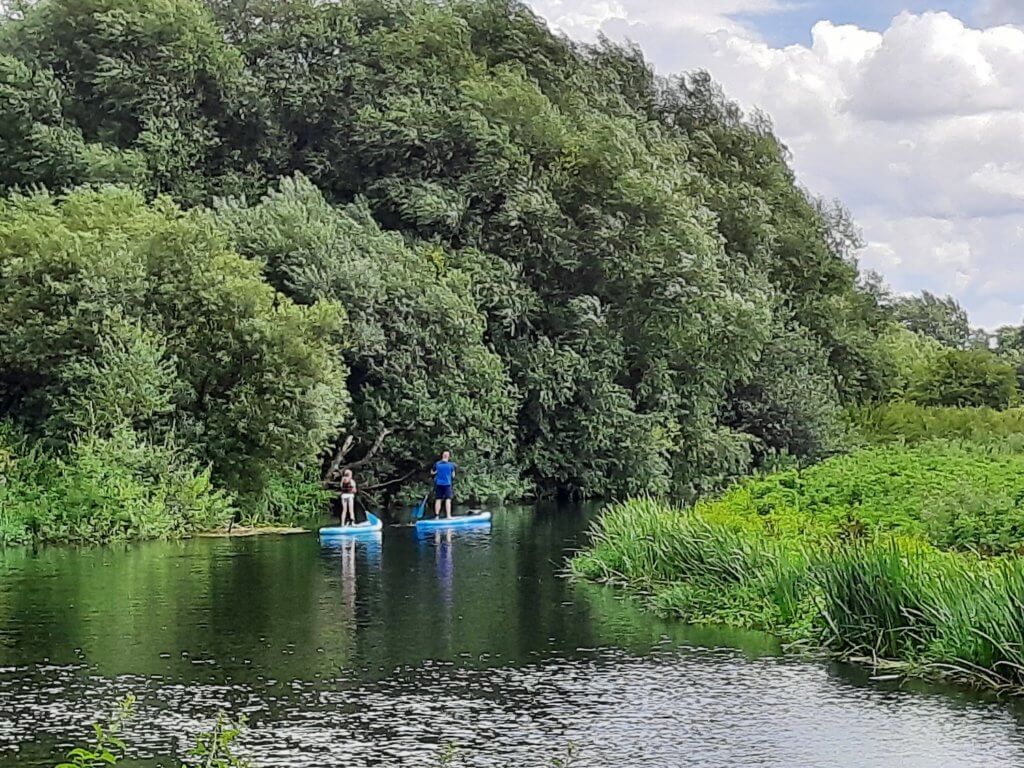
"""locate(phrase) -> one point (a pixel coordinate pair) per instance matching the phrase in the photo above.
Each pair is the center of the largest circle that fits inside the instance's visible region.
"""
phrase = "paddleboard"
(373, 524)
(478, 518)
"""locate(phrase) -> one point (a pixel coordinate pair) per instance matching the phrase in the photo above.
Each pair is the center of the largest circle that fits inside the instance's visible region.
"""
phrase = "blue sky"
(794, 26)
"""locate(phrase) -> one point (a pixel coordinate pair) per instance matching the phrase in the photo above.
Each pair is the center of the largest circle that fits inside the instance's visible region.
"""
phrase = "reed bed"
(886, 599)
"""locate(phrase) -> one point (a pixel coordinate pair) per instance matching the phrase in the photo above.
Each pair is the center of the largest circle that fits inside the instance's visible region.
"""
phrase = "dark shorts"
(443, 492)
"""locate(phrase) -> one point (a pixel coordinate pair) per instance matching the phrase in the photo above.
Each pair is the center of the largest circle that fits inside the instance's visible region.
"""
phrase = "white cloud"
(935, 65)
(917, 128)
(1002, 11)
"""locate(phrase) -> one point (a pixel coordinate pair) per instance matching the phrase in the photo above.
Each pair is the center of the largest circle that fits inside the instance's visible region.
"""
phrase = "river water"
(382, 652)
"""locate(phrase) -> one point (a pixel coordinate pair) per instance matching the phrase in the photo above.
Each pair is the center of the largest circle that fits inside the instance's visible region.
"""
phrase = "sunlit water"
(382, 652)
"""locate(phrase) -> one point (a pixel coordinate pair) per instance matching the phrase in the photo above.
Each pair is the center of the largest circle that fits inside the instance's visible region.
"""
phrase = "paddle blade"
(417, 511)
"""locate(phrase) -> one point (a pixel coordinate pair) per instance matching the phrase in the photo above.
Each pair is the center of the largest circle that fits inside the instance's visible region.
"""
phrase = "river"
(382, 652)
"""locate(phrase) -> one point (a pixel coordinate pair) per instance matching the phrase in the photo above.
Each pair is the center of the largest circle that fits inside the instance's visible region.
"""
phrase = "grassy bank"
(118, 488)
(891, 555)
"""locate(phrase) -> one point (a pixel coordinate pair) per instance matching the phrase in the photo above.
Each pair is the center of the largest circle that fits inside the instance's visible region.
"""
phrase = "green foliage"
(959, 496)
(554, 262)
(118, 314)
(891, 599)
(40, 147)
(942, 319)
(127, 90)
(415, 350)
(910, 424)
(107, 747)
(581, 278)
(965, 378)
(214, 748)
(288, 499)
(104, 489)
(791, 406)
(904, 356)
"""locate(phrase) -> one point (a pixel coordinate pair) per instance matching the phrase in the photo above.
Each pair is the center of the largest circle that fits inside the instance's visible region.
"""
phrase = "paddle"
(419, 509)
(365, 510)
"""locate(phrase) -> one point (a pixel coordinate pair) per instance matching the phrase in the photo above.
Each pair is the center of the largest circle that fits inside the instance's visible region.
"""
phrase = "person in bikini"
(348, 497)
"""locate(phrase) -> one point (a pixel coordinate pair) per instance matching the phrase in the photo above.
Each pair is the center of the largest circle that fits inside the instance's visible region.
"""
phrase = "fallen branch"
(373, 449)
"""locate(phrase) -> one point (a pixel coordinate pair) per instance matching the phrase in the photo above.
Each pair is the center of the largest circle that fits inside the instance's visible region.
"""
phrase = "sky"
(911, 112)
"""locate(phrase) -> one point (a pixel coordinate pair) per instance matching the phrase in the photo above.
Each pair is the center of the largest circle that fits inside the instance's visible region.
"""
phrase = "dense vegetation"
(323, 234)
(245, 244)
(904, 552)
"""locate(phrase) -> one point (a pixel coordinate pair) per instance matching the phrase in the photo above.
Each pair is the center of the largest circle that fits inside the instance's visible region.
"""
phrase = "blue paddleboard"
(479, 518)
(372, 525)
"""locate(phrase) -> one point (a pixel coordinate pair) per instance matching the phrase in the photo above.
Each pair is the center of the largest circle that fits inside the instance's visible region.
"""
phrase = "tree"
(572, 269)
(419, 372)
(904, 356)
(942, 319)
(134, 90)
(115, 313)
(791, 406)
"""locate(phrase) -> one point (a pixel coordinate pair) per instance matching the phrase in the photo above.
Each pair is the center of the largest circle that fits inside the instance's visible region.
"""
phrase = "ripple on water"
(383, 654)
(691, 708)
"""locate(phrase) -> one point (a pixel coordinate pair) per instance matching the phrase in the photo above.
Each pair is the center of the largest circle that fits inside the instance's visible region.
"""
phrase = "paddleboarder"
(348, 497)
(444, 476)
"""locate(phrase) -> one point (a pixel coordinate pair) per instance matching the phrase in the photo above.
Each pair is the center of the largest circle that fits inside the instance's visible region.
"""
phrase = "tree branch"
(338, 462)
(339, 457)
(373, 449)
(378, 486)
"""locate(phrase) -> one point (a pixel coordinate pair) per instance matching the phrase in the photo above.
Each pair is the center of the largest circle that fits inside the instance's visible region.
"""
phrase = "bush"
(964, 378)
(890, 489)
(118, 313)
(911, 424)
(104, 489)
(792, 406)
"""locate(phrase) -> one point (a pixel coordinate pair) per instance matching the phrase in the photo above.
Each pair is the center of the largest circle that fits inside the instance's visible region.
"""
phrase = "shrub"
(911, 424)
(963, 378)
(889, 597)
(104, 489)
(956, 495)
(115, 312)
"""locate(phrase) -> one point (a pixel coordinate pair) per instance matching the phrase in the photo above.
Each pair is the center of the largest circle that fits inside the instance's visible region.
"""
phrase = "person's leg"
(448, 506)
(350, 511)
(437, 507)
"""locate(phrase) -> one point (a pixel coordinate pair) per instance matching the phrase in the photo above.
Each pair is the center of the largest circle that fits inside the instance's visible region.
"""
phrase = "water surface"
(383, 651)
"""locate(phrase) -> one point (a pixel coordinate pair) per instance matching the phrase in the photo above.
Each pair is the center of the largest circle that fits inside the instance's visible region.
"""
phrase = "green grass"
(892, 554)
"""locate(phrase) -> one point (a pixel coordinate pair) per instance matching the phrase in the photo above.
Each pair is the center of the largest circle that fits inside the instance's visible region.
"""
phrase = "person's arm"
(433, 469)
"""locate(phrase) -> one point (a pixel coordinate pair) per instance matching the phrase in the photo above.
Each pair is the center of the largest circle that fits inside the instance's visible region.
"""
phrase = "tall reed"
(879, 598)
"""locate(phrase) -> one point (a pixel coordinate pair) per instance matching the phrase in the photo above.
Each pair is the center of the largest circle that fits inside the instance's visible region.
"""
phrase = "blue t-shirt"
(444, 471)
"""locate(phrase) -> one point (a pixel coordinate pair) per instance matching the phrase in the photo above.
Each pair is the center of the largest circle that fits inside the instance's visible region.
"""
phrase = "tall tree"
(942, 319)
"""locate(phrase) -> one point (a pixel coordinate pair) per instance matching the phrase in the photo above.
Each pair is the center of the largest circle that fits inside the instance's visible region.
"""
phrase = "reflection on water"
(380, 650)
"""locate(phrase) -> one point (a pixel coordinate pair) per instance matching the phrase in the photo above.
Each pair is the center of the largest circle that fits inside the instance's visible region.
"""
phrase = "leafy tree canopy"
(584, 278)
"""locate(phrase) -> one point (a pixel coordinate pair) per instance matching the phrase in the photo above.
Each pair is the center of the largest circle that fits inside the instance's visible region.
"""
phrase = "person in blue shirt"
(444, 475)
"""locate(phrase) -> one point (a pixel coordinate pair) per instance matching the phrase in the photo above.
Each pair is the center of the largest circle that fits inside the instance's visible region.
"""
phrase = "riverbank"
(899, 557)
